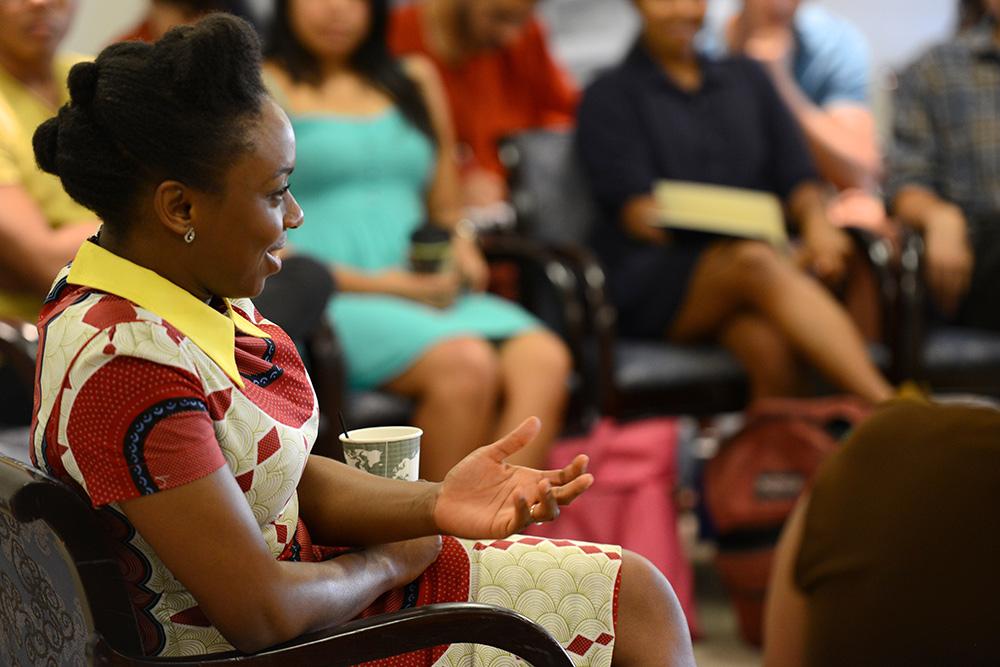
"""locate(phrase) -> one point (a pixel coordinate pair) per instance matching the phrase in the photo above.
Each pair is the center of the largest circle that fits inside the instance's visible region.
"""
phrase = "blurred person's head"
(180, 136)
(486, 25)
(306, 33)
(669, 27)
(991, 8)
(31, 30)
(167, 14)
(773, 13)
(309, 36)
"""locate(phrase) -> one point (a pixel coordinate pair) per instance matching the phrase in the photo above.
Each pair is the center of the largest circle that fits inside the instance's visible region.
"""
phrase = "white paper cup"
(387, 451)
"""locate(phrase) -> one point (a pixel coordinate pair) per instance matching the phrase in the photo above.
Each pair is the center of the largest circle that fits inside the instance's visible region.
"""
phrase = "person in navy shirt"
(668, 113)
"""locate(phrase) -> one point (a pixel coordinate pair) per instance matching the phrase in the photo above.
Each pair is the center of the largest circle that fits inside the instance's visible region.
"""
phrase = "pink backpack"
(632, 500)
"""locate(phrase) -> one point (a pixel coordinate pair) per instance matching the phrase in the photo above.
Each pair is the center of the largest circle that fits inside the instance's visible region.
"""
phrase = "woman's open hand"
(438, 289)
(470, 263)
(484, 497)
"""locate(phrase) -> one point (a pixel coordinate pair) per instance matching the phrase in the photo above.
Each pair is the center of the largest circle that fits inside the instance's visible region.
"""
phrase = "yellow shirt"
(21, 111)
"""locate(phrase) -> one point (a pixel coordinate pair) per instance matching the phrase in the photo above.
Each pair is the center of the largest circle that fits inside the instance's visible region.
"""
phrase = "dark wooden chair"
(946, 358)
(630, 377)
(17, 372)
(62, 600)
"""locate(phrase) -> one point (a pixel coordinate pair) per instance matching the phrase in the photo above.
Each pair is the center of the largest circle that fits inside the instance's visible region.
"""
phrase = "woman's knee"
(756, 261)
(539, 354)
(466, 367)
(649, 608)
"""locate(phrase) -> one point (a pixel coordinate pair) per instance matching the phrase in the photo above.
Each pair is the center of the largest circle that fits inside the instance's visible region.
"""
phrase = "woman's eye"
(280, 194)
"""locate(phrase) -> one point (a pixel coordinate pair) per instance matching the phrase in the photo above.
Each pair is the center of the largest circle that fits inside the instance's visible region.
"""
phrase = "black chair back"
(551, 194)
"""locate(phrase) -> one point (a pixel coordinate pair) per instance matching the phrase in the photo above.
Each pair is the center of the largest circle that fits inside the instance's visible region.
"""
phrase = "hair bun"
(46, 144)
(83, 83)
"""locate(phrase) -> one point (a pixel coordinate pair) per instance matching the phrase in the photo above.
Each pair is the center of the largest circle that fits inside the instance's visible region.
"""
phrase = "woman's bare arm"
(205, 533)
(31, 252)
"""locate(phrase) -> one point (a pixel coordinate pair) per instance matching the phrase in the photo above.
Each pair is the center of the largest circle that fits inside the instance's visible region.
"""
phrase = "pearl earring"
(189, 237)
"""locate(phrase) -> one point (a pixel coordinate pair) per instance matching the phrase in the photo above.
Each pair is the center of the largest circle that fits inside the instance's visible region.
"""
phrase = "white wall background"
(100, 21)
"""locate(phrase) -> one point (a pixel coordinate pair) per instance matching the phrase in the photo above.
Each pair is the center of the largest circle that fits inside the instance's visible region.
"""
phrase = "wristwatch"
(465, 229)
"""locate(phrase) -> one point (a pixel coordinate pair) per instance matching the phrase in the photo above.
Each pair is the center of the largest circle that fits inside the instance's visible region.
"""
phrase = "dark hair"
(143, 113)
(372, 60)
(971, 13)
(200, 7)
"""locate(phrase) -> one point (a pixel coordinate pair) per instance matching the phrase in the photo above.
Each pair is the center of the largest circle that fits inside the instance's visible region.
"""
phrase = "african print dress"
(141, 387)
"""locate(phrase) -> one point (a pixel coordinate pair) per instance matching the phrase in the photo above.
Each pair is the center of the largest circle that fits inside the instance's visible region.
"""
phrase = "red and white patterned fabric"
(131, 399)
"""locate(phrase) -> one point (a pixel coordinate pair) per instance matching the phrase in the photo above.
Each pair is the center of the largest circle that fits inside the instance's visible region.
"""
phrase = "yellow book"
(717, 209)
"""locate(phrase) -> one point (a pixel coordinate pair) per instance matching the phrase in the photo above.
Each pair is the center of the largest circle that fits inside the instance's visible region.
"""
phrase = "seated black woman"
(187, 418)
(667, 113)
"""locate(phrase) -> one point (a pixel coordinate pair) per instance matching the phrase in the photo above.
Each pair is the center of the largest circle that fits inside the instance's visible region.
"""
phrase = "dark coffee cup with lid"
(430, 249)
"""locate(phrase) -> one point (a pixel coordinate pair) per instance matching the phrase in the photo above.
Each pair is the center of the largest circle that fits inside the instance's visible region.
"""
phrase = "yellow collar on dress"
(212, 331)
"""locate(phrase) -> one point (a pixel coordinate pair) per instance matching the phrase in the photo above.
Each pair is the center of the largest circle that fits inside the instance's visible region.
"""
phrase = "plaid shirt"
(946, 129)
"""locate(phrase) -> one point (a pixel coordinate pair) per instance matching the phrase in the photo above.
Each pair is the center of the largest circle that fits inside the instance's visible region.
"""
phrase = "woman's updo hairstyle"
(144, 113)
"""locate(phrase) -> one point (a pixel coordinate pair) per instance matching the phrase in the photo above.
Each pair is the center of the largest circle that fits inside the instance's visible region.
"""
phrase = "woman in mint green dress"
(375, 159)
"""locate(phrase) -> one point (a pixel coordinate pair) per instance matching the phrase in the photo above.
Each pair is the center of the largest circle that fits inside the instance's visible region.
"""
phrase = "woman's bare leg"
(456, 386)
(733, 277)
(651, 628)
(534, 371)
(765, 354)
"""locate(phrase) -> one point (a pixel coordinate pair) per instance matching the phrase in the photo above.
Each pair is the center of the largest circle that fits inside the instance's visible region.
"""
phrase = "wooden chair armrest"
(382, 637)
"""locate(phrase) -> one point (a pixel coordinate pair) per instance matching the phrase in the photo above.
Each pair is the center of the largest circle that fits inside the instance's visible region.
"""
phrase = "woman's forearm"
(807, 206)
(306, 597)
(345, 506)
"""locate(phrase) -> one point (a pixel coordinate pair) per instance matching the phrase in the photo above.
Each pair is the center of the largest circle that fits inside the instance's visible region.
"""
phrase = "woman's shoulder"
(89, 325)
(420, 69)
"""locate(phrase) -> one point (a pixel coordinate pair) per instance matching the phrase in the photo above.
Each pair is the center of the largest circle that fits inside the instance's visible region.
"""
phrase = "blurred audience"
(892, 560)
(667, 113)
(498, 73)
(819, 64)
(40, 226)
(944, 169)
(166, 14)
(375, 160)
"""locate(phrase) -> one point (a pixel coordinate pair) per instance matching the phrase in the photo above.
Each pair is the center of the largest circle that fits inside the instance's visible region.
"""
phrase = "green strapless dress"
(361, 182)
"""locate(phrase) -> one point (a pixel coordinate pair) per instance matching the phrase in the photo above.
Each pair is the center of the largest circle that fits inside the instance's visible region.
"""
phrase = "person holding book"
(668, 113)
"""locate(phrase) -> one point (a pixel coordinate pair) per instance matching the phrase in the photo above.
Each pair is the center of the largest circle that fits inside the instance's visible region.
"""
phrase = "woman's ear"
(173, 206)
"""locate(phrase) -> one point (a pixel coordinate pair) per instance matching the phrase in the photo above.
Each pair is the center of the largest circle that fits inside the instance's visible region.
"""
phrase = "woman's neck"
(682, 66)
(148, 253)
(331, 68)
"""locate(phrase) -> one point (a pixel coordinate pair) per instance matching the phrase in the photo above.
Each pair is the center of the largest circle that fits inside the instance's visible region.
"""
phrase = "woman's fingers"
(576, 467)
(515, 440)
(547, 508)
(522, 515)
(567, 493)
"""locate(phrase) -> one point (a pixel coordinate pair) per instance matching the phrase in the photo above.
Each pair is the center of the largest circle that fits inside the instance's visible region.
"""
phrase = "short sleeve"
(849, 70)
(613, 149)
(134, 426)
